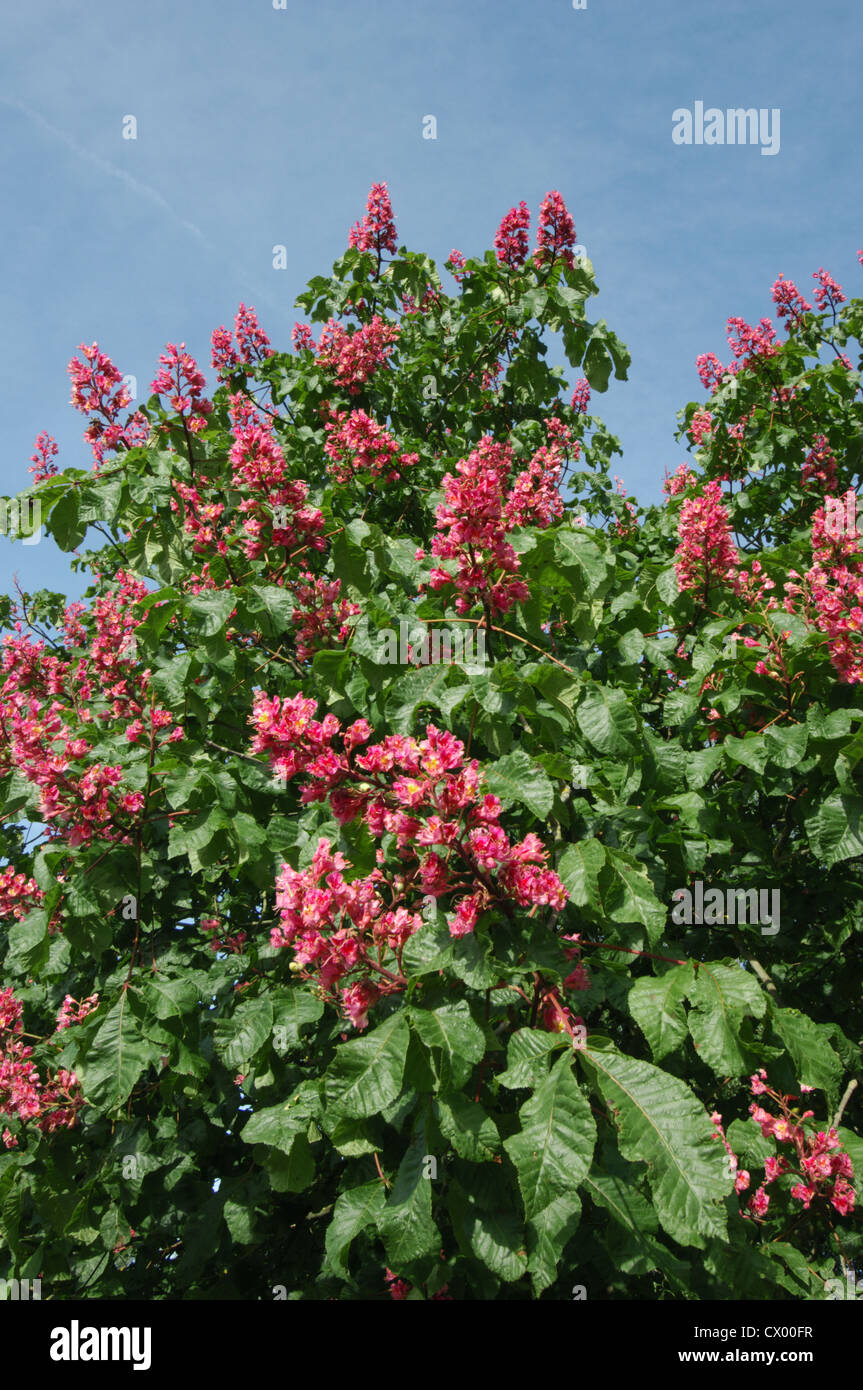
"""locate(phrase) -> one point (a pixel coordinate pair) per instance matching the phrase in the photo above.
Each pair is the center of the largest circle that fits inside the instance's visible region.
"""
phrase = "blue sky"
(258, 126)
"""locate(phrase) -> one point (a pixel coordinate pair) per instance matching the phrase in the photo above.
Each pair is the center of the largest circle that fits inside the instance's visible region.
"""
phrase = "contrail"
(143, 190)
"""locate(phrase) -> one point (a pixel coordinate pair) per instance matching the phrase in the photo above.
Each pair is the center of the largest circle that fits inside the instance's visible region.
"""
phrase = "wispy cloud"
(141, 190)
(135, 186)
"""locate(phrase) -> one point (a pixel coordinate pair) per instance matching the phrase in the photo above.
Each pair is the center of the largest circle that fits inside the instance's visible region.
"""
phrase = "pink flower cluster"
(377, 231)
(828, 294)
(830, 595)
(581, 396)
(705, 555)
(820, 465)
(679, 481)
(701, 427)
(750, 343)
(71, 1011)
(356, 443)
(355, 357)
(18, 893)
(53, 1104)
(43, 459)
(275, 513)
(276, 510)
(252, 344)
(44, 701)
(230, 942)
(456, 263)
(201, 520)
(710, 371)
(320, 616)
(511, 242)
(556, 232)
(302, 337)
(816, 1159)
(430, 298)
(482, 504)
(178, 378)
(789, 301)
(823, 1168)
(448, 842)
(400, 1288)
(98, 390)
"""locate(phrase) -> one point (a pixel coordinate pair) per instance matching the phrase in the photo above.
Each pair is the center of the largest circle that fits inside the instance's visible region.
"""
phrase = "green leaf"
(428, 949)
(608, 720)
(238, 1038)
(472, 1133)
(170, 998)
(527, 1057)
(116, 1057)
(456, 1041)
(628, 894)
(409, 692)
(656, 1004)
(29, 943)
(835, 831)
(64, 523)
(293, 1171)
(276, 1126)
(294, 1010)
(278, 603)
(516, 778)
(662, 1124)
(366, 1074)
(579, 869)
(552, 1153)
(721, 995)
(406, 1224)
(629, 1207)
(485, 1223)
(210, 611)
(815, 1062)
(353, 1212)
(752, 751)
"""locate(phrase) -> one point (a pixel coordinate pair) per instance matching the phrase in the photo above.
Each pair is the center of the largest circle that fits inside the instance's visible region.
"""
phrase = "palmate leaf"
(405, 1222)
(721, 995)
(662, 1124)
(628, 894)
(815, 1062)
(607, 719)
(366, 1073)
(486, 1222)
(631, 1236)
(293, 1010)
(835, 829)
(455, 1041)
(352, 1213)
(657, 1005)
(516, 778)
(239, 1037)
(116, 1057)
(552, 1153)
(527, 1057)
(472, 1133)
(579, 869)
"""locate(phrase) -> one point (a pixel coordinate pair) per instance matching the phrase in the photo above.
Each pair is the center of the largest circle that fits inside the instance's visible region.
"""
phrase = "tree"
(348, 959)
